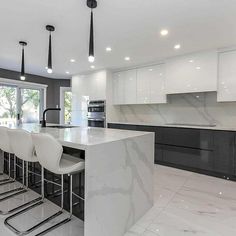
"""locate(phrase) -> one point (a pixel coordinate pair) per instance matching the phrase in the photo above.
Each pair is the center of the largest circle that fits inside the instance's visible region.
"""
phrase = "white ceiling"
(130, 27)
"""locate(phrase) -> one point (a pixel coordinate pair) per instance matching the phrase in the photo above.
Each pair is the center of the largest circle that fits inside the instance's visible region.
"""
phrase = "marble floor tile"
(191, 204)
(186, 204)
(171, 180)
(74, 228)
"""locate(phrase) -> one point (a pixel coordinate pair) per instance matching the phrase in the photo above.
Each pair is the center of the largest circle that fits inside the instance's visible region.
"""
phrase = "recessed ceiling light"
(150, 69)
(72, 60)
(177, 46)
(127, 58)
(92, 66)
(164, 32)
(108, 49)
(191, 61)
(198, 68)
(67, 72)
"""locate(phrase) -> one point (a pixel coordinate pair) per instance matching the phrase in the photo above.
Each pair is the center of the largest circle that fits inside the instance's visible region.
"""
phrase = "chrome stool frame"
(26, 155)
(6, 147)
(6, 222)
(68, 219)
(25, 188)
(46, 145)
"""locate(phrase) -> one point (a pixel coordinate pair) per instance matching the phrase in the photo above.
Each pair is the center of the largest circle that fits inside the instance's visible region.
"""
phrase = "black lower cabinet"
(158, 153)
(188, 157)
(204, 151)
(224, 149)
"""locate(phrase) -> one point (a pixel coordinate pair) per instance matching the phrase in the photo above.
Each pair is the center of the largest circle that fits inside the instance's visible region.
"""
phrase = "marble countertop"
(81, 137)
(217, 127)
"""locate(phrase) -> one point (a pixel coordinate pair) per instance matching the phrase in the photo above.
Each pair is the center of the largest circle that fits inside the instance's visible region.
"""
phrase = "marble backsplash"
(197, 108)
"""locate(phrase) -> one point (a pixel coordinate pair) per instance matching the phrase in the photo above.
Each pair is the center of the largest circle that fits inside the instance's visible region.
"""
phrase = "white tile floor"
(188, 204)
(28, 219)
(185, 204)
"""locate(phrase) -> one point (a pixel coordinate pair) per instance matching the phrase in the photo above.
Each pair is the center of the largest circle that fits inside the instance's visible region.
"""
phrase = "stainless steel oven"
(97, 113)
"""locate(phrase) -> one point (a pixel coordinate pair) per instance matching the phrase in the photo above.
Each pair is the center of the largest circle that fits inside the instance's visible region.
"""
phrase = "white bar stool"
(6, 147)
(22, 145)
(50, 155)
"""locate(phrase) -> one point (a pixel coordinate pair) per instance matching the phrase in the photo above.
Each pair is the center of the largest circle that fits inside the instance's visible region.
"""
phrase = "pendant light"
(50, 28)
(91, 4)
(22, 73)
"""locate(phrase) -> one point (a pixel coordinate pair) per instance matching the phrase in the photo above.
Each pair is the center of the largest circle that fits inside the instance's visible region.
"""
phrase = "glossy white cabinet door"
(118, 88)
(227, 77)
(98, 86)
(130, 84)
(192, 73)
(143, 85)
(124, 87)
(151, 84)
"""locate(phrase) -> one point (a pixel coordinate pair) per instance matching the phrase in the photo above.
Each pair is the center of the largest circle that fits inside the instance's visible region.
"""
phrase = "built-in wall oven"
(97, 113)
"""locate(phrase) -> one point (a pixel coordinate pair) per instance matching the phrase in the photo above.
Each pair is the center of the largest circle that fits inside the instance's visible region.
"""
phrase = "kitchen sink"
(197, 125)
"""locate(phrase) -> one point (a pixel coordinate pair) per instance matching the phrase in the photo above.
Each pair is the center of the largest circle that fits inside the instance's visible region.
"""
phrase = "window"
(21, 102)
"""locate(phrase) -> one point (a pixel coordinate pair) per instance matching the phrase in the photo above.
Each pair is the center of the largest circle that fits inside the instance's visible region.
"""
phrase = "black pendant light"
(91, 4)
(22, 73)
(50, 28)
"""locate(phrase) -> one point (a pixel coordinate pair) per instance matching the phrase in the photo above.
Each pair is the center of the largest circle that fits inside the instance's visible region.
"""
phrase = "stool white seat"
(50, 155)
(4, 140)
(6, 147)
(21, 144)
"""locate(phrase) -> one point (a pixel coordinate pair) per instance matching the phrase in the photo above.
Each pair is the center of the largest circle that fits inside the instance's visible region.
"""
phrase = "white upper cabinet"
(192, 73)
(97, 86)
(125, 87)
(118, 89)
(227, 77)
(151, 84)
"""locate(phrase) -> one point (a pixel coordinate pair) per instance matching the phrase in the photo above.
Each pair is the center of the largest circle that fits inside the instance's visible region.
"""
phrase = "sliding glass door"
(20, 104)
(29, 105)
(8, 105)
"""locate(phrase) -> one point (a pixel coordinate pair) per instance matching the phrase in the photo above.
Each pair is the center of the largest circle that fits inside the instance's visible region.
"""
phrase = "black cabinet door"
(113, 126)
(158, 153)
(156, 129)
(188, 157)
(224, 152)
(185, 137)
(122, 126)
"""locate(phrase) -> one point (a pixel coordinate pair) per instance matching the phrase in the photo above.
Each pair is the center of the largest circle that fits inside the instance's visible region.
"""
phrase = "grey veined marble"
(197, 108)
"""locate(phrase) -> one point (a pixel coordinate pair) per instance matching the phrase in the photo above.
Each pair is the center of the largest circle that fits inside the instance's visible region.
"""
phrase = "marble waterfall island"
(119, 166)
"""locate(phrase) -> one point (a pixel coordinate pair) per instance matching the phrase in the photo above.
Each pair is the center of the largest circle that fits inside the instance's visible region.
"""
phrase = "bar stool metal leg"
(11, 227)
(7, 180)
(16, 191)
(24, 190)
(71, 210)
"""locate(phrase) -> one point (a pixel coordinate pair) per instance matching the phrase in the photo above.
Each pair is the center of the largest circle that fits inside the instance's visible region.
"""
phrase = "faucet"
(44, 114)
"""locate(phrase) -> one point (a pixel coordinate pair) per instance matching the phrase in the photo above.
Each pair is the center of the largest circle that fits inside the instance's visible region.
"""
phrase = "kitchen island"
(119, 167)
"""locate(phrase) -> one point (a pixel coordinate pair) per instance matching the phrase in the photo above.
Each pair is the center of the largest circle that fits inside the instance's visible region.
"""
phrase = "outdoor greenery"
(8, 99)
(8, 102)
(67, 104)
